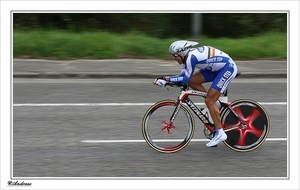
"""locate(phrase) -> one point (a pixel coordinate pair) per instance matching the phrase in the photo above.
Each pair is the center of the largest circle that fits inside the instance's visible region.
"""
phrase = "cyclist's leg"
(219, 85)
(201, 77)
(210, 101)
(196, 82)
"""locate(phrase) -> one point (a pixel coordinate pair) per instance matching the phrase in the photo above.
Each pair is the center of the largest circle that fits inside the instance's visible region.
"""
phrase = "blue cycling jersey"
(204, 58)
(214, 65)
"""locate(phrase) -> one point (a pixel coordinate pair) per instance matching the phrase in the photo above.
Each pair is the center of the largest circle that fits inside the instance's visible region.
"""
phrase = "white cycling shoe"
(219, 136)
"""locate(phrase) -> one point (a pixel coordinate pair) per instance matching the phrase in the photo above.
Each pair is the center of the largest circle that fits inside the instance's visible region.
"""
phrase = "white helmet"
(181, 47)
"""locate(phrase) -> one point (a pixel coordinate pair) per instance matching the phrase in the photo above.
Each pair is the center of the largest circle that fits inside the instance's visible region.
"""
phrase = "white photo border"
(7, 7)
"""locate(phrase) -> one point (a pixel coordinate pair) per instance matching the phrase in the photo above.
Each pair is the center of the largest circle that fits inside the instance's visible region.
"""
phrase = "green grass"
(104, 45)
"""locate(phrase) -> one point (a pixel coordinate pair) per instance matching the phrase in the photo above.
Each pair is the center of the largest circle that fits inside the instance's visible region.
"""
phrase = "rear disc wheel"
(253, 134)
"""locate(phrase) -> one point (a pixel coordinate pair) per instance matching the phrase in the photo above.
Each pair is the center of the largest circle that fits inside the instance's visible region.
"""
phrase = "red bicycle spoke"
(167, 126)
(250, 129)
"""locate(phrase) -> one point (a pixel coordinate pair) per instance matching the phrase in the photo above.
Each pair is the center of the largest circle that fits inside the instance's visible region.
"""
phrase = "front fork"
(167, 126)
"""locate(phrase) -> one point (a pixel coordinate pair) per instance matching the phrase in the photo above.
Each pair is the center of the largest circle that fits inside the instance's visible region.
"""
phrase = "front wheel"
(256, 126)
(163, 135)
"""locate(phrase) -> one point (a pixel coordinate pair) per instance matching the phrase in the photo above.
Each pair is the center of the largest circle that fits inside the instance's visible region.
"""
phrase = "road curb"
(129, 75)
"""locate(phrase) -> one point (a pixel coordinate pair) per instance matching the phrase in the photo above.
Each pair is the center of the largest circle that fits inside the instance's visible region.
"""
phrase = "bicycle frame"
(184, 98)
(206, 120)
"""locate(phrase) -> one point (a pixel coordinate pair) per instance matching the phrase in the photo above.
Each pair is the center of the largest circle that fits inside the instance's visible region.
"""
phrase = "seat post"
(224, 97)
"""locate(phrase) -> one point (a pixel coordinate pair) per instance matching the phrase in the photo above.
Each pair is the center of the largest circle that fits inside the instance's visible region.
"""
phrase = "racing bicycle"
(169, 125)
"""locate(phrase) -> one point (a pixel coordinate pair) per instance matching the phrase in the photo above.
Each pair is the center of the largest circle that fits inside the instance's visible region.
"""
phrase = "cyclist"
(212, 65)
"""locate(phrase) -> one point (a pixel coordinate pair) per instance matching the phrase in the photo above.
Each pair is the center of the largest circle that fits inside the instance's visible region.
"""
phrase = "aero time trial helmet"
(181, 47)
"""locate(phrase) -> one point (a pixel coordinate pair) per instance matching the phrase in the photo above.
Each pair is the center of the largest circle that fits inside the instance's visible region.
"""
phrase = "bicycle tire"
(244, 139)
(156, 119)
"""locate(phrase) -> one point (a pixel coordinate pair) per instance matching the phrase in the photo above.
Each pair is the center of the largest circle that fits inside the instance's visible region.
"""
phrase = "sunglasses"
(174, 55)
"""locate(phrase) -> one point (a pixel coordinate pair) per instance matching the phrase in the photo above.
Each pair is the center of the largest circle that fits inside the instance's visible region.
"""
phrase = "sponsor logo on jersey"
(223, 79)
(214, 59)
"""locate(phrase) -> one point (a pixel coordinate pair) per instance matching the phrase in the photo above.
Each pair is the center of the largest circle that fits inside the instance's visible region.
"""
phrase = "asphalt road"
(60, 127)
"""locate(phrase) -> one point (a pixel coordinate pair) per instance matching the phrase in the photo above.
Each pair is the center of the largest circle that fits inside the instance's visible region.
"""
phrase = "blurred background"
(147, 35)
(160, 25)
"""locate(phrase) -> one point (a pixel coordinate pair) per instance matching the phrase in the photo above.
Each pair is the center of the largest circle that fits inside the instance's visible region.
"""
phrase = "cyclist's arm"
(178, 78)
(186, 72)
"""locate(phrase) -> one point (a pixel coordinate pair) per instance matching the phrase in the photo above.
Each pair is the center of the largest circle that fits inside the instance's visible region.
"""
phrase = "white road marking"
(133, 104)
(113, 104)
(162, 140)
